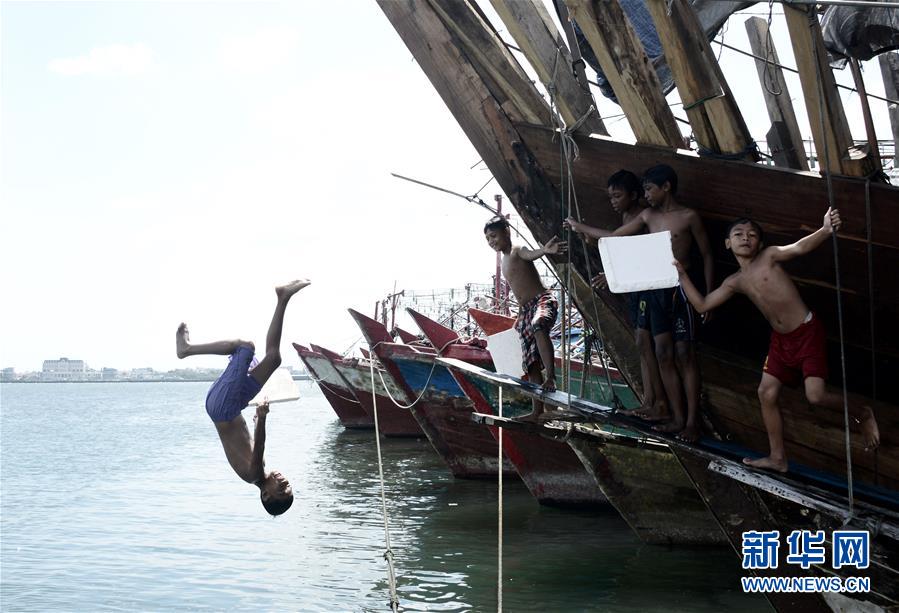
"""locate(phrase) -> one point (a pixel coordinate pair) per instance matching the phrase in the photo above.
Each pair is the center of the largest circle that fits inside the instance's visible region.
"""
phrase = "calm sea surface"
(117, 496)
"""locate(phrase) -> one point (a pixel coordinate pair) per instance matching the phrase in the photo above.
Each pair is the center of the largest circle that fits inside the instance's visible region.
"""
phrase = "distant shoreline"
(210, 380)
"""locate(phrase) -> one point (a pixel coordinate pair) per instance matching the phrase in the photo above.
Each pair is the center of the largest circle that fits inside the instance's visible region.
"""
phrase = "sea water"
(117, 496)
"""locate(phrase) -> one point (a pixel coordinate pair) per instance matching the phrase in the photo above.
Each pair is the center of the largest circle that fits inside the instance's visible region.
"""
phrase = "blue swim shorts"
(231, 392)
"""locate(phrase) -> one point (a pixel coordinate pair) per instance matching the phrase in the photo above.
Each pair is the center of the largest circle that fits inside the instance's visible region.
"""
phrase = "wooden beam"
(834, 147)
(628, 70)
(788, 150)
(889, 70)
(493, 61)
(866, 113)
(716, 120)
(536, 35)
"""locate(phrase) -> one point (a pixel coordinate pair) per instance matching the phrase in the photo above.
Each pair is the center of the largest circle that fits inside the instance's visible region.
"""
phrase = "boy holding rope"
(537, 307)
(797, 350)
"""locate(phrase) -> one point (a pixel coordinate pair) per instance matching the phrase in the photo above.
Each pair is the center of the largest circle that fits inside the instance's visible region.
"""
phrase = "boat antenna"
(474, 199)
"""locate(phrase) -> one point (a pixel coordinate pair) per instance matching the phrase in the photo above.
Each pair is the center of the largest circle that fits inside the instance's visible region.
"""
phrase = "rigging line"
(770, 75)
(388, 553)
(813, 22)
(858, 3)
(499, 512)
(566, 142)
(426, 384)
(794, 71)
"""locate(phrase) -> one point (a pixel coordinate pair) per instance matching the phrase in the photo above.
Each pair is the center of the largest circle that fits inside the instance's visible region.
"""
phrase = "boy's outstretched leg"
(272, 359)
(816, 393)
(184, 348)
(769, 391)
(672, 383)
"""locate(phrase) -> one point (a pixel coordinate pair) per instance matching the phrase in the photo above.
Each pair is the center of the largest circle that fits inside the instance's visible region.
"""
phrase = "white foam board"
(279, 388)
(505, 349)
(636, 263)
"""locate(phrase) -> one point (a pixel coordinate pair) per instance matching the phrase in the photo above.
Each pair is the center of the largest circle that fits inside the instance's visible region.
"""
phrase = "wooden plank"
(628, 70)
(490, 57)
(835, 149)
(889, 70)
(532, 28)
(716, 120)
(789, 150)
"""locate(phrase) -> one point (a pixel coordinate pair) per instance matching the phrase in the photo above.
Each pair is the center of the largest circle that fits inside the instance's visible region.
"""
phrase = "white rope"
(499, 540)
(424, 387)
(388, 554)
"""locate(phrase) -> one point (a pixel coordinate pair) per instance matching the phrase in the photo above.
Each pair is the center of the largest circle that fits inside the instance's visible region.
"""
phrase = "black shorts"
(666, 310)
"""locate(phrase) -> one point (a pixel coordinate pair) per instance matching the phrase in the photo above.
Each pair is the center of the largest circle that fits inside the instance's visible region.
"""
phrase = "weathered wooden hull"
(549, 468)
(647, 486)
(393, 421)
(742, 500)
(335, 390)
(440, 407)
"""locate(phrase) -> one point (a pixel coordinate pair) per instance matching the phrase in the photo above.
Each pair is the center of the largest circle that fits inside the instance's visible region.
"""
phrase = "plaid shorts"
(538, 314)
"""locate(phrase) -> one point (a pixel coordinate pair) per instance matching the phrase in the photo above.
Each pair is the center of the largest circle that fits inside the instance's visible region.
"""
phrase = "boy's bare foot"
(182, 341)
(768, 463)
(289, 289)
(690, 434)
(549, 385)
(869, 429)
(670, 426)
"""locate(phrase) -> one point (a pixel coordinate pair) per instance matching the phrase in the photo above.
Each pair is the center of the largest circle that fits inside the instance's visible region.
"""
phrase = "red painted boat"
(550, 469)
(392, 420)
(335, 389)
(438, 404)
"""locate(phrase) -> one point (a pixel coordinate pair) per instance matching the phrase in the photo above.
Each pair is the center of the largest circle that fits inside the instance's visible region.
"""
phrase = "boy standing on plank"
(797, 350)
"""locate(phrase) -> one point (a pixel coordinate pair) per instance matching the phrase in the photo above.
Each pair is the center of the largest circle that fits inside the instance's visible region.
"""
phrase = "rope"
(331, 389)
(813, 22)
(568, 154)
(499, 539)
(388, 553)
(424, 387)
(870, 253)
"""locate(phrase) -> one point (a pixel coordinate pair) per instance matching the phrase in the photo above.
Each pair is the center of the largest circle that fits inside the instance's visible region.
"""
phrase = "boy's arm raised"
(809, 243)
(634, 226)
(554, 245)
(701, 303)
(257, 463)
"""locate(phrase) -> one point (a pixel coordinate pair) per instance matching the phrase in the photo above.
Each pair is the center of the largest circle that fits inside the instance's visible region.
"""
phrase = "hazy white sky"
(170, 161)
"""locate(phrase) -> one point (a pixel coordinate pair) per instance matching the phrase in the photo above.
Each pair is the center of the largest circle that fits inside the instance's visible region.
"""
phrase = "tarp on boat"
(712, 15)
(860, 33)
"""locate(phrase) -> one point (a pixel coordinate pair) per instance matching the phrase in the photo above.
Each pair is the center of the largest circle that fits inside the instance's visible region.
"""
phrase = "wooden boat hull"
(335, 390)
(742, 500)
(549, 468)
(440, 407)
(393, 421)
(647, 486)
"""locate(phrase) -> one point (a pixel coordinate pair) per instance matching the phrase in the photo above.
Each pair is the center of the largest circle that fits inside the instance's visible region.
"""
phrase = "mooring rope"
(813, 23)
(424, 387)
(499, 540)
(331, 389)
(388, 553)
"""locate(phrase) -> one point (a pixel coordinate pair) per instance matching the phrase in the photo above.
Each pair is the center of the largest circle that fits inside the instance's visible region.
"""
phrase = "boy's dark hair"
(276, 506)
(657, 175)
(626, 180)
(497, 222)
(751, 222)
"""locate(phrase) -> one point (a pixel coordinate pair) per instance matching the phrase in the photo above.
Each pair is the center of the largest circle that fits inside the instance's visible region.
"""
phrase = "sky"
(171, 161)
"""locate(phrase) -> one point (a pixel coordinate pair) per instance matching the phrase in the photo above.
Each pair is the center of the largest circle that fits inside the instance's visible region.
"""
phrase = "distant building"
(8, 374)
(64, 369)
(109, 374)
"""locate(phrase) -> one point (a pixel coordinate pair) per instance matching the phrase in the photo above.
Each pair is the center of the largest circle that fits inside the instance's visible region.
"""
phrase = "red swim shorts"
(797, 355)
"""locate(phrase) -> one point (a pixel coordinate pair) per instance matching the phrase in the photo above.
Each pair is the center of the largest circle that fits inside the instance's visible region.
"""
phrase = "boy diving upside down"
(797, 349)
(233, 390)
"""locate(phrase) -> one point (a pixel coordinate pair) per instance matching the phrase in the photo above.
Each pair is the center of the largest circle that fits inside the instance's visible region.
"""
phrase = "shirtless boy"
(665, 312)
(231, 392)
(624, 189)
(797, 349)
(537, 307)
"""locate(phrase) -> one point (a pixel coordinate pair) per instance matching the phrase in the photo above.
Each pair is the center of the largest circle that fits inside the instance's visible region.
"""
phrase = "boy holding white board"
(666, 312)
